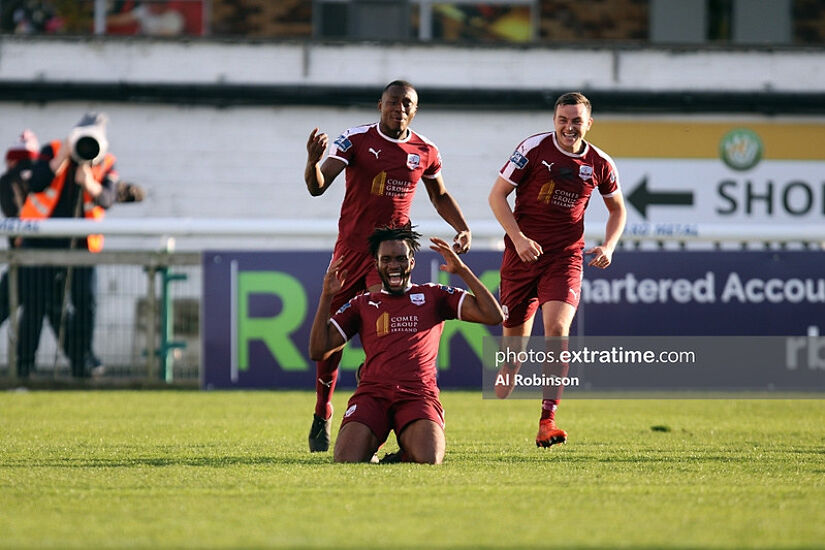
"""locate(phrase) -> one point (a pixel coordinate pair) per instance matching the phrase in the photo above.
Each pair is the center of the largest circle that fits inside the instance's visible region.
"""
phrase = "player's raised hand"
(462, 241)
(335, 278)
(316, 145)
(453, 263)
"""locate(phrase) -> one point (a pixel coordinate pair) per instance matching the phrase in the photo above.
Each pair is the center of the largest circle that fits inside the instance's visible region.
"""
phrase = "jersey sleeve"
(450, 300)
(520, 163)
(435, 166)
(347, 319)
(343, 148)
(516, 166)
(609, 182)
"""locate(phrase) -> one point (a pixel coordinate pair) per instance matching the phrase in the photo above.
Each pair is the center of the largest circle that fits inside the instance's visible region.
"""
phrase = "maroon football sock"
(326, 375)
(548, 409)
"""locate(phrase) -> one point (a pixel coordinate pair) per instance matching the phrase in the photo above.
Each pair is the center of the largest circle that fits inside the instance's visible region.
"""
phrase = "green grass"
(115, 469)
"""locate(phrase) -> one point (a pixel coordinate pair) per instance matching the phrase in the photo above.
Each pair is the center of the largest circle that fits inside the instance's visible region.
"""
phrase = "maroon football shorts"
(361, 274)
(525, 286)
(384, 407)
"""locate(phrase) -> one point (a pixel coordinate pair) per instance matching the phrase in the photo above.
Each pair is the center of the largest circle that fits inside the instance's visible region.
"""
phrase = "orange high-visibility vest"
(41, 205)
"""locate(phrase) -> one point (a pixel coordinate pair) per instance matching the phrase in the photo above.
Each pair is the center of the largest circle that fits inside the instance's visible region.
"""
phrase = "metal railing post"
(167, 328)
(151, 318)
(14, 326)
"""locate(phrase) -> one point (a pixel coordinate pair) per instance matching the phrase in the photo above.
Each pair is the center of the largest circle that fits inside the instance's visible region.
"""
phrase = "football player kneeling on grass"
(400, 327)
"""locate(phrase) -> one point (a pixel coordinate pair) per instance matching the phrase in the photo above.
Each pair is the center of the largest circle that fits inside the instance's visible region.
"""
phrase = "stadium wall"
(217, 129)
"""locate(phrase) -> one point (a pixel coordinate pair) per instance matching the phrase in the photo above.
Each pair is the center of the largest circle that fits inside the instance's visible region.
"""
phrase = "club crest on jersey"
(585, 172)
(519, 160)
(418, 299)
(413, 160)
(343, 142)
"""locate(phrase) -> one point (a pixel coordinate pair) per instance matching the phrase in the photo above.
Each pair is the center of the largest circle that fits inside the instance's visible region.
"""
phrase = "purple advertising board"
(258, 307)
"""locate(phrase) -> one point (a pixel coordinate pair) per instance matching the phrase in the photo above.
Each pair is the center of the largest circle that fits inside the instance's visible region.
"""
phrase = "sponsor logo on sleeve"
(447, 289)
(344, 308)
(519, 160)
(343, 143)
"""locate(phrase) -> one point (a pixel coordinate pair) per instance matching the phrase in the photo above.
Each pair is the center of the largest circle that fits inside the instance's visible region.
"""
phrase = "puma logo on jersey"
(376, 304)
(549, 166)
(374, 152)
(573, 292)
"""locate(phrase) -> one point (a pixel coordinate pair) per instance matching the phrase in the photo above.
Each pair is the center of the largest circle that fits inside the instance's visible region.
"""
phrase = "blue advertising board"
(258, 307)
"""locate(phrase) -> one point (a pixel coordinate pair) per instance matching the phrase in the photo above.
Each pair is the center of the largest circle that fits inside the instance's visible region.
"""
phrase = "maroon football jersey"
(400, 334)
(553, 188)
(381, 176)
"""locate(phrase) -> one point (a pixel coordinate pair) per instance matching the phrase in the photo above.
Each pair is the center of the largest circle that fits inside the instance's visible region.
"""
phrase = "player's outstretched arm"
(481, 306)
(317, 176)
(324, 338)
(616, 219)
(450, 212)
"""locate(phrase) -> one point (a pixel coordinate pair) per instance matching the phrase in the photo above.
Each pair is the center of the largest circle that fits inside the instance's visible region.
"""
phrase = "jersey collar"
(388, 138)
(384, 291)
(574, 155)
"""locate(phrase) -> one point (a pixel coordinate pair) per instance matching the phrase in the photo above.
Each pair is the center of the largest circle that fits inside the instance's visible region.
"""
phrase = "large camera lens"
(87, 148)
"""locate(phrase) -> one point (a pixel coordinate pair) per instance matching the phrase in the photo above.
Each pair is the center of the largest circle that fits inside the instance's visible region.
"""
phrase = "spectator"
(14, 186)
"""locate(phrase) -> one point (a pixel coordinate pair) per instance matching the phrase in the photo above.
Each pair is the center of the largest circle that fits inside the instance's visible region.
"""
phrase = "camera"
(87, 140)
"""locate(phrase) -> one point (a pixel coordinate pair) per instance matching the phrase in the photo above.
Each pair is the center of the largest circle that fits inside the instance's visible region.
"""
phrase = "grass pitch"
(121, 469)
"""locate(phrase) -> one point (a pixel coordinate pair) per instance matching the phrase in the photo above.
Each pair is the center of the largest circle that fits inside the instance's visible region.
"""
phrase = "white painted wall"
(234, 162)
(248, 162)
(363, 64)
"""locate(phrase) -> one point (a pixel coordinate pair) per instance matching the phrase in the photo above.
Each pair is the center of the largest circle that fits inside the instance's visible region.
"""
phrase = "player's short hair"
(573, 98)
(404, 233)
(402, 83)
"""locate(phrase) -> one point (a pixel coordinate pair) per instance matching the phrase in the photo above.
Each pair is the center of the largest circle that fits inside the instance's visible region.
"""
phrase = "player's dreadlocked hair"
(387, 233)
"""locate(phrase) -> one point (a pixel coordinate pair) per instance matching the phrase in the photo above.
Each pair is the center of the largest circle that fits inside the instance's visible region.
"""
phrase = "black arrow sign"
(641, 198)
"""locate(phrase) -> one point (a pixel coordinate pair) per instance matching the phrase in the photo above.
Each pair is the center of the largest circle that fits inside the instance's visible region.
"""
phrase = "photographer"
(71, 179)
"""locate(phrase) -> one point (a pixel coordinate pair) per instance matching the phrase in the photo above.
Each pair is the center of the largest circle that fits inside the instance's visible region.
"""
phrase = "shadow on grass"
(202, 461)
(650, 456)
